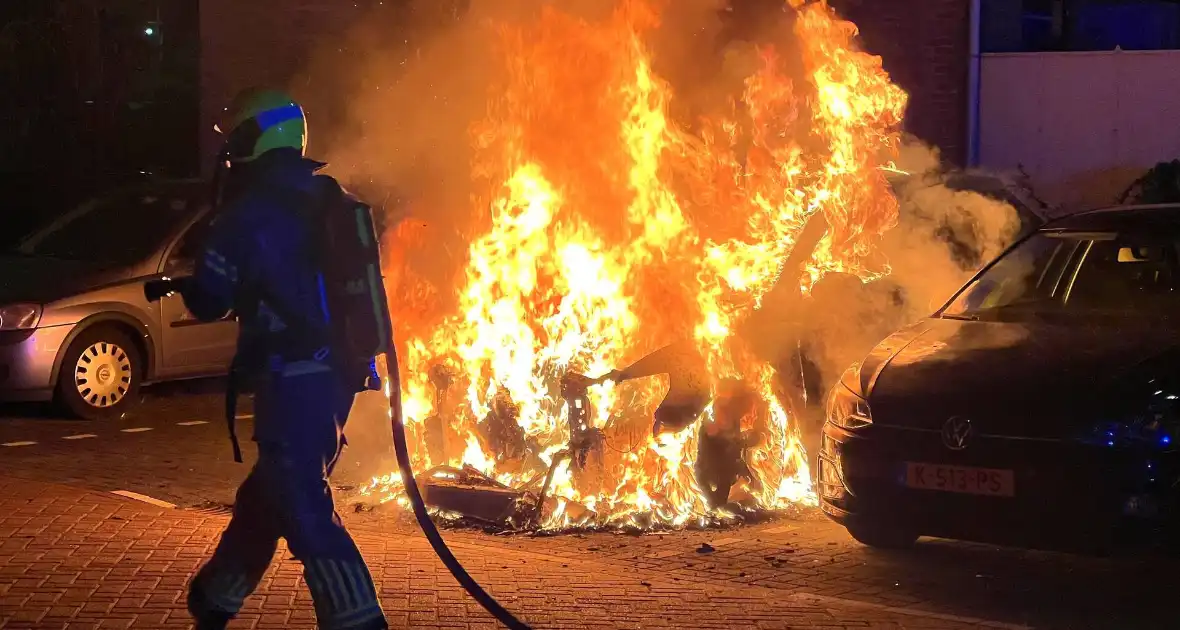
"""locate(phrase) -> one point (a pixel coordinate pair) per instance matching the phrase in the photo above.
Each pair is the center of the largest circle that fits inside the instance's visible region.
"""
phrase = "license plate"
(964, 479)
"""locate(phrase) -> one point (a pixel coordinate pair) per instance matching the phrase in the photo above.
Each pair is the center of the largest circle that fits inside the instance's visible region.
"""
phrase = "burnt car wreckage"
(473, 497)
(467, 496)
(477, 496)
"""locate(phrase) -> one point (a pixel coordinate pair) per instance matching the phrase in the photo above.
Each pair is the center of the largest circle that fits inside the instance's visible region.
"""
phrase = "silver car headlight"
(20, 316)
(845, 408)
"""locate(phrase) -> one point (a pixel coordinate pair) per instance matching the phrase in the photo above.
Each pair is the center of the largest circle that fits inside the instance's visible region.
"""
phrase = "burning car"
(601, 232)
(1038, 407)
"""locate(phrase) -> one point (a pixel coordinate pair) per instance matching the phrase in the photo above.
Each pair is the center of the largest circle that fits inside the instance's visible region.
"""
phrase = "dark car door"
(192, 347)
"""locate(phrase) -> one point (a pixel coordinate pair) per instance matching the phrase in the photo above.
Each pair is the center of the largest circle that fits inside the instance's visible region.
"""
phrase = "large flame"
(609, 231)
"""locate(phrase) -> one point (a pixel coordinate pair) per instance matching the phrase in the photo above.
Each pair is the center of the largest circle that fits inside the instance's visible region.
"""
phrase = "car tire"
(881, 536)
(100, 374)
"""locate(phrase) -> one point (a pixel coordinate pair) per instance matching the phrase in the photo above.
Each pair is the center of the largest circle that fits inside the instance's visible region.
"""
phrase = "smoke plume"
(943, 236)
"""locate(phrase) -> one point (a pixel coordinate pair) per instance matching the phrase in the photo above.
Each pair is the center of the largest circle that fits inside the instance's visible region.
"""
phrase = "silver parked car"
(75, 327)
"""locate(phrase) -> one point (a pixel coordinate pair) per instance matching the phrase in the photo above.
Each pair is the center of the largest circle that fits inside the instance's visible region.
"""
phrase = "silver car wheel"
(103, 374)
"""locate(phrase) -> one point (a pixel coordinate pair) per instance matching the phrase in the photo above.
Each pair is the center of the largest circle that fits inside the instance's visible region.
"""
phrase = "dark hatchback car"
(75, 326)
(1040, 407)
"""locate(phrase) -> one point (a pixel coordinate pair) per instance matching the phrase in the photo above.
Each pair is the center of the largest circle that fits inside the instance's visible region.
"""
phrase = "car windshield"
(1075, 275)
(118, 230)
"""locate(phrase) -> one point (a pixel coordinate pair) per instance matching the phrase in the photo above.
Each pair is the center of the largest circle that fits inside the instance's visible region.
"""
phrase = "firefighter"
(256, 258)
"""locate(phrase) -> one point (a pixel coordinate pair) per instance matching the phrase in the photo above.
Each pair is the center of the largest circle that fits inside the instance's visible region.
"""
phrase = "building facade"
(1078, 93)
(93, 94)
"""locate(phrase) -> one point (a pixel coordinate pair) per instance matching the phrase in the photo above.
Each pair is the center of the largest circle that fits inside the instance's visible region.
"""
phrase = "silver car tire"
(100, 374)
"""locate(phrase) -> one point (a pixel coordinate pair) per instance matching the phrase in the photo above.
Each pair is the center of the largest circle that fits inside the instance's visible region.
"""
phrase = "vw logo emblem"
(956, 432)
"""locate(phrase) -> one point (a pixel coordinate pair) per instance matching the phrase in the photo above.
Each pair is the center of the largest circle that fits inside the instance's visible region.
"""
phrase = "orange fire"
(608, 231)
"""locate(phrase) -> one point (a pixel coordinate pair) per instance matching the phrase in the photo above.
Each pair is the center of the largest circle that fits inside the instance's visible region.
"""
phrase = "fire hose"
(429, 529)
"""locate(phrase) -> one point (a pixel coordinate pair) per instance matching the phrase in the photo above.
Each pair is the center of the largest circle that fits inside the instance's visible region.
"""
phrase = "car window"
(1077, 275)
(189, 245)
(120, 229)
(1134, 274)
(1029, 276)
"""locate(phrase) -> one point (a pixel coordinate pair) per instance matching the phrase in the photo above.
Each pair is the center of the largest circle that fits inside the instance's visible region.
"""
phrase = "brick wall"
(925, 46)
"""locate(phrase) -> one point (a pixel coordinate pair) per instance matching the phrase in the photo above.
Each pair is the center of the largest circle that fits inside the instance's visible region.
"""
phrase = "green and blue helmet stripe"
(263, 120)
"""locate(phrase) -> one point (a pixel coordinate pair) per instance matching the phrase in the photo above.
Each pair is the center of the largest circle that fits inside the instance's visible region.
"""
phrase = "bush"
(1161, 184)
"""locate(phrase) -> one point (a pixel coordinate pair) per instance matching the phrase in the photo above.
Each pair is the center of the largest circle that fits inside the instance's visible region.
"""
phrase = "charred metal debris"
(466, 497)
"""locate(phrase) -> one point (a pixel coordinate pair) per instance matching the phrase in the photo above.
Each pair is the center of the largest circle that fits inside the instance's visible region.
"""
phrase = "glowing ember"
(608, 232)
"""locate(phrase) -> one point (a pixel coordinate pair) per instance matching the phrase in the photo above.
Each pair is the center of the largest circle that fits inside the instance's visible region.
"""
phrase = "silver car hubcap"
(103, 374)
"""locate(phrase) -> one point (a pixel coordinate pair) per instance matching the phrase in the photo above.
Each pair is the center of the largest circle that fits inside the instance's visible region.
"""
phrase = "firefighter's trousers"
(287, 495)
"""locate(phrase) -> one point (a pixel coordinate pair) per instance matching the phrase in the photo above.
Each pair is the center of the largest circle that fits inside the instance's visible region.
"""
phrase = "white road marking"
(137, 430)
(191, 423)
(245, 416)
(18, 444)
(80, 436)
(781, 529)
(143, 497)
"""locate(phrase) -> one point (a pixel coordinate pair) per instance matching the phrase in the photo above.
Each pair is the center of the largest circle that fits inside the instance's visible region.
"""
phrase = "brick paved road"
(174, 447)
(806, 562)
(75, 559)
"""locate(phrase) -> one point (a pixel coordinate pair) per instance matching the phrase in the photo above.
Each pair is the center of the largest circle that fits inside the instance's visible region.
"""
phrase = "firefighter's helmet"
(260, 120)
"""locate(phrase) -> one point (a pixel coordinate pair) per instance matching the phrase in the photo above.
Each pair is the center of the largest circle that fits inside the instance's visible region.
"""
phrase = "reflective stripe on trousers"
(340, 584)
(343, 592)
